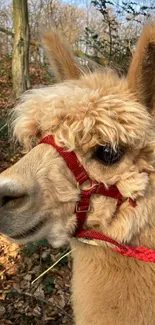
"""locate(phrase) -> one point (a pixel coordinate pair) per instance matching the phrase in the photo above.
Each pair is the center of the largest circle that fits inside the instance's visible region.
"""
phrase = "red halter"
(83, 205)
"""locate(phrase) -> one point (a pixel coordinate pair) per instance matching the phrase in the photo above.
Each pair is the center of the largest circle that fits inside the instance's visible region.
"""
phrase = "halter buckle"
(78, 210)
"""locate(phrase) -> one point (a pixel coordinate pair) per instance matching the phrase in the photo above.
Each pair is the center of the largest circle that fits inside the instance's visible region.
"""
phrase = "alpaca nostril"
(8, 200)
(12, 194)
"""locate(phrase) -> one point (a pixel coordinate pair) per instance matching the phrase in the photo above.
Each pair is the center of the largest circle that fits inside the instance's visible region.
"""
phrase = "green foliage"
(42, 243)
(20, 43)
(63, 251)
(64, 261)
(29, 319)
(48, 284)
(117, 43)
(3, 128)
(33, 247)
(30, 249)
(133, 8)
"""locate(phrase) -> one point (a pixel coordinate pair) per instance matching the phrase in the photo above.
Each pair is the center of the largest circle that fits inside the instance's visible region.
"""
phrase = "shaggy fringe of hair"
(80, 117)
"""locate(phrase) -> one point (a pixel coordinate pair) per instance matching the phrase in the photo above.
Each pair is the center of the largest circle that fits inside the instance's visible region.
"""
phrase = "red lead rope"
(140, 253)
(83, 205)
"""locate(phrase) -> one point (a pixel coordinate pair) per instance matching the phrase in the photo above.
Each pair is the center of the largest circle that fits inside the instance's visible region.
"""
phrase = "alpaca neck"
(109, 289)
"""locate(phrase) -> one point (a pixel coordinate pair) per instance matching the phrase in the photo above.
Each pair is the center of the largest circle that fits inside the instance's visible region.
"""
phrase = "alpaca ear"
(63, 63)
(141, 75)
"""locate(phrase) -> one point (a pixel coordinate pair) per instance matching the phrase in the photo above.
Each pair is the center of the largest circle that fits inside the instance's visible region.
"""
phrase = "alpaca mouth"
(31, 231)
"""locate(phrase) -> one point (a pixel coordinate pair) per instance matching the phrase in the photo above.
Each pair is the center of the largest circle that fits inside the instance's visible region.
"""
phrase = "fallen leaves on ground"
(47, 301)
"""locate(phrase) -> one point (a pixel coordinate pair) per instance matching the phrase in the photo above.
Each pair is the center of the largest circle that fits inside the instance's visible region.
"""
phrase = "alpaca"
(107, 123)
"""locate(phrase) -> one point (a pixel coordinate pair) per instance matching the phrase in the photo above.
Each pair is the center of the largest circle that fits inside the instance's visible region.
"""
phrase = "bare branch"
(9, 32)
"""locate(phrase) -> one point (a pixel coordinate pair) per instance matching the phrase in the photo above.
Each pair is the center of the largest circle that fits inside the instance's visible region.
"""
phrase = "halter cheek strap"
(83, 205)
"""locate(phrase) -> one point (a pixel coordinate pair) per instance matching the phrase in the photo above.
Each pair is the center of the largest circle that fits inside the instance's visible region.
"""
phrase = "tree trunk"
(20, 58)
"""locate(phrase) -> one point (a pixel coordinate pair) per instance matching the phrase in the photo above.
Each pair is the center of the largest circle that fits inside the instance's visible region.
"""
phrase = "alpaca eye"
(108, 155)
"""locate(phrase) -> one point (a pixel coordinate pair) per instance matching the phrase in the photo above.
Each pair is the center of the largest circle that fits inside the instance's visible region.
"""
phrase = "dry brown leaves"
(45, 302)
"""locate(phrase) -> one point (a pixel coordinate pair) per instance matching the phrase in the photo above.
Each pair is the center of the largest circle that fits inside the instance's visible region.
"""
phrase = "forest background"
(101, 33)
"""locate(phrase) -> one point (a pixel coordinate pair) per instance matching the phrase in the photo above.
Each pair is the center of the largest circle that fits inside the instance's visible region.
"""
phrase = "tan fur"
(89, 111)
(61, 59)
(141, 80)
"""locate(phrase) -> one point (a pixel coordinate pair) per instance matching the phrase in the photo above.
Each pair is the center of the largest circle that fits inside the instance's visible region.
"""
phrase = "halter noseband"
(83, 205)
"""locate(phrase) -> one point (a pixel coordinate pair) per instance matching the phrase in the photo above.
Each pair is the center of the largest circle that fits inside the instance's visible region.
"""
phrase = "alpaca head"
(107, 121)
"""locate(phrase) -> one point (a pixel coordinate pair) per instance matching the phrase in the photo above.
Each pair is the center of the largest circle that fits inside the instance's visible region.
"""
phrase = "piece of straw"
(51, 267)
